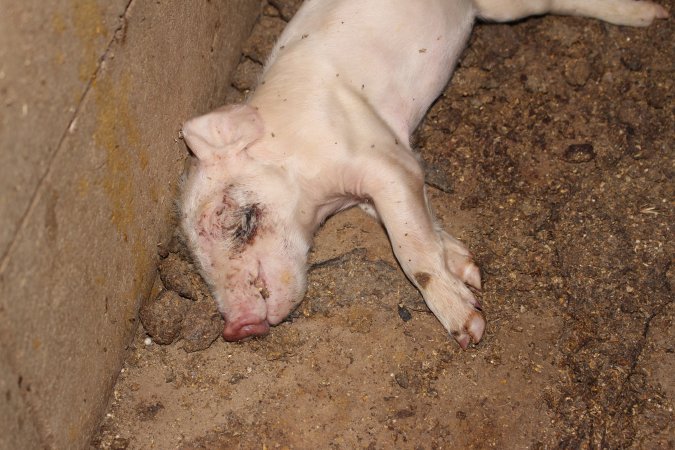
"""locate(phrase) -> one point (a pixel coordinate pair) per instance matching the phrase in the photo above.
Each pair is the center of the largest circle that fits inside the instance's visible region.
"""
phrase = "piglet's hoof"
(473, 330)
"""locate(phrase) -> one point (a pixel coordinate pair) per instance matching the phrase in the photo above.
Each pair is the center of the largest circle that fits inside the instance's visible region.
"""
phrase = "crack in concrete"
(643, 344)
(645, 332)
(438, 187)
(120, 30)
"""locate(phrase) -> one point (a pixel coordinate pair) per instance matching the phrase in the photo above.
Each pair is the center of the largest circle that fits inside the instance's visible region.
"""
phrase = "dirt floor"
(550, 155)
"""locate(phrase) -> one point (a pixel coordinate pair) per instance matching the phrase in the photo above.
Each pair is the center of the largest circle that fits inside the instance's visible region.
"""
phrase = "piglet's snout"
(245, 327)
(246, 315)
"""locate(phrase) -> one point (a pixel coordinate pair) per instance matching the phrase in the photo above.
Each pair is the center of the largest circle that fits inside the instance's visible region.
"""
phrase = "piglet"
(329, 127)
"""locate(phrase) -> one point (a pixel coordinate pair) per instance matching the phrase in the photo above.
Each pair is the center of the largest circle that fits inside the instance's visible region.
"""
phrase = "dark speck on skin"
(422, 279)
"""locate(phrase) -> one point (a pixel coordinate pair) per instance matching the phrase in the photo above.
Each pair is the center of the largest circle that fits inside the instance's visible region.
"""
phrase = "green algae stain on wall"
(117, 134)
(58, 23)
(89, 27)
(59, 27)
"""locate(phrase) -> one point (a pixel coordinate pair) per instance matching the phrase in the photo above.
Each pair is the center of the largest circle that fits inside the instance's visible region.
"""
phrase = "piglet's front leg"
(438, 264)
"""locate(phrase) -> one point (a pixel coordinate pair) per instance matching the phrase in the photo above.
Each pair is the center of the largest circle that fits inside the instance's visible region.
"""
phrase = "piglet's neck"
(310, 146)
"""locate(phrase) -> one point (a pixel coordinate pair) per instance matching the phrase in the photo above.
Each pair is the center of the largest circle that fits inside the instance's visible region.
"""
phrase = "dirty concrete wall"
(92, 95)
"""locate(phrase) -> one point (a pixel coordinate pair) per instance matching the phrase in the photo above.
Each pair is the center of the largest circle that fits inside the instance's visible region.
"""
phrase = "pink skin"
(329, 127)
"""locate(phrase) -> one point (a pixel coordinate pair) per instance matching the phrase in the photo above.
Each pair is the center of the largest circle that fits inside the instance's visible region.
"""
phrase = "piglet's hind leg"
(637, 13)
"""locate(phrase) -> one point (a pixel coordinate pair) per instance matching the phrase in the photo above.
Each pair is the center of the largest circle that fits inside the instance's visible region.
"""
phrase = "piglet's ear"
(223, 132)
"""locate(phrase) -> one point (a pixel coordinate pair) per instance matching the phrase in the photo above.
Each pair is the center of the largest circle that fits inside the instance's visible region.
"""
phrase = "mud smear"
(550, 156)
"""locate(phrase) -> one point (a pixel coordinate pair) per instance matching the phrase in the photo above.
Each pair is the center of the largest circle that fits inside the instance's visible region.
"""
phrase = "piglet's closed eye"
(222, 132)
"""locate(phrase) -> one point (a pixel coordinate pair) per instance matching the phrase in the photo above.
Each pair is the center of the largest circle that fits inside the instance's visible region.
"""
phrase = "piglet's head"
(238, 213)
